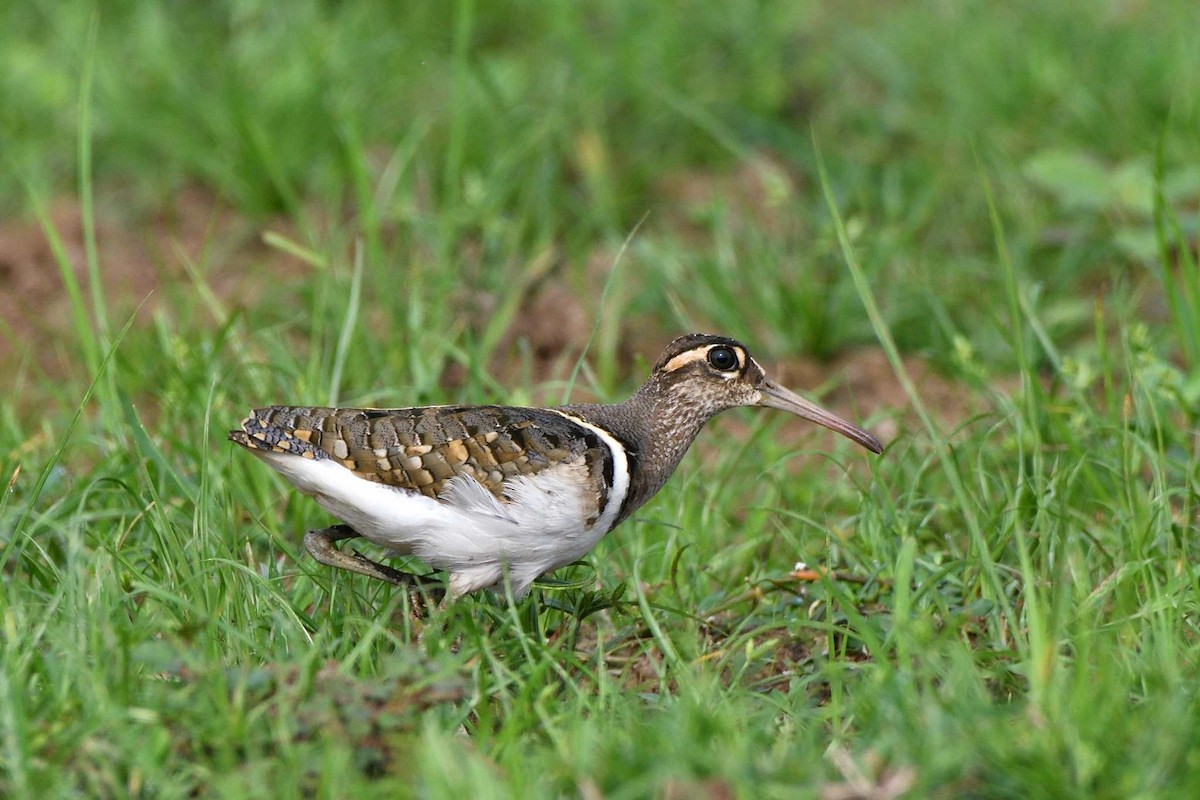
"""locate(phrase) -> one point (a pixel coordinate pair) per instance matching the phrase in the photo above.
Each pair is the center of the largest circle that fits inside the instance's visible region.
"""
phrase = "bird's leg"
(319, 545)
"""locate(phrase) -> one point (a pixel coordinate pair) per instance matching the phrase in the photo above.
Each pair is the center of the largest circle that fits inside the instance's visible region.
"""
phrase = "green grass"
(1010, 195)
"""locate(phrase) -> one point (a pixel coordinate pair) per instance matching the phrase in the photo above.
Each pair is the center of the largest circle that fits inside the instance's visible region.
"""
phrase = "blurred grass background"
(211, 206)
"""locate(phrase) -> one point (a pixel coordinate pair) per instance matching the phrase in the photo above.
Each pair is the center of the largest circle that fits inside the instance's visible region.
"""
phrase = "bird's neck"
(656, 429)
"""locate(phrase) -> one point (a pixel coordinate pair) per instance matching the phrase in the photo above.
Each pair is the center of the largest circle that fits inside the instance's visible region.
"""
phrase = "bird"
(498, 496)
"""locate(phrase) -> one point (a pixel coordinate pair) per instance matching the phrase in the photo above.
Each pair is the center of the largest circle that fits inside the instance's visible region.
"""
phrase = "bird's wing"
(424, 449)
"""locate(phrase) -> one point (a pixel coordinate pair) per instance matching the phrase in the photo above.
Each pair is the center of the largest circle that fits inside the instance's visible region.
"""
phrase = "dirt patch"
(139, 257)
(554, 322)
(33, 299)
(545, 339)
(549, 329)
(757, 192)
(696, 789)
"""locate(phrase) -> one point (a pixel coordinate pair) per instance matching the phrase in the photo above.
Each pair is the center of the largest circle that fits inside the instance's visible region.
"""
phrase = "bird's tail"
(258, 435)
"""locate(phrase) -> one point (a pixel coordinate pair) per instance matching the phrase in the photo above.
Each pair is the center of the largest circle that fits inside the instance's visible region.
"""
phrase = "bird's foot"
(320, 545)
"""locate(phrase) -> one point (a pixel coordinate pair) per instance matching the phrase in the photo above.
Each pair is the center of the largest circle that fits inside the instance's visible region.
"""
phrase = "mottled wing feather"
(422, 449)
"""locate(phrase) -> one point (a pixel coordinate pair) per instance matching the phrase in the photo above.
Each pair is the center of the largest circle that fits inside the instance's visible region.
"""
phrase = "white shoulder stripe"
(620, 483)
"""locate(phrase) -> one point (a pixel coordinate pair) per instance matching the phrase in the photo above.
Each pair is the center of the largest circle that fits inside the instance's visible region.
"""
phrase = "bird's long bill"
(775, 396)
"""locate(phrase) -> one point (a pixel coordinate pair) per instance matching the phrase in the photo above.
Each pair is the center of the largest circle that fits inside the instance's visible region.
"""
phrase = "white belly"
(468, 532)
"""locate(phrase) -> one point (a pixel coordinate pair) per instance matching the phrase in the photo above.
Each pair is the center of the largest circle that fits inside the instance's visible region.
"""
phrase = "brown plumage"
(475, 490)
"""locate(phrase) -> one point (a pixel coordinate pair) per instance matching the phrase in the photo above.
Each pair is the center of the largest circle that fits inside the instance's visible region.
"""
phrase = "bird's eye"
(723, 358)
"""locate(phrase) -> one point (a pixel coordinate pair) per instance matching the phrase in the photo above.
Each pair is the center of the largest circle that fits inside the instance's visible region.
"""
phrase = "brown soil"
(756, 192)
(139, 258)
(143, 256)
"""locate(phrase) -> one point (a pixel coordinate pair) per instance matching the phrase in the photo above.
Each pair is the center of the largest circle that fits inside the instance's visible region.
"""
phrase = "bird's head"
(705, 374)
